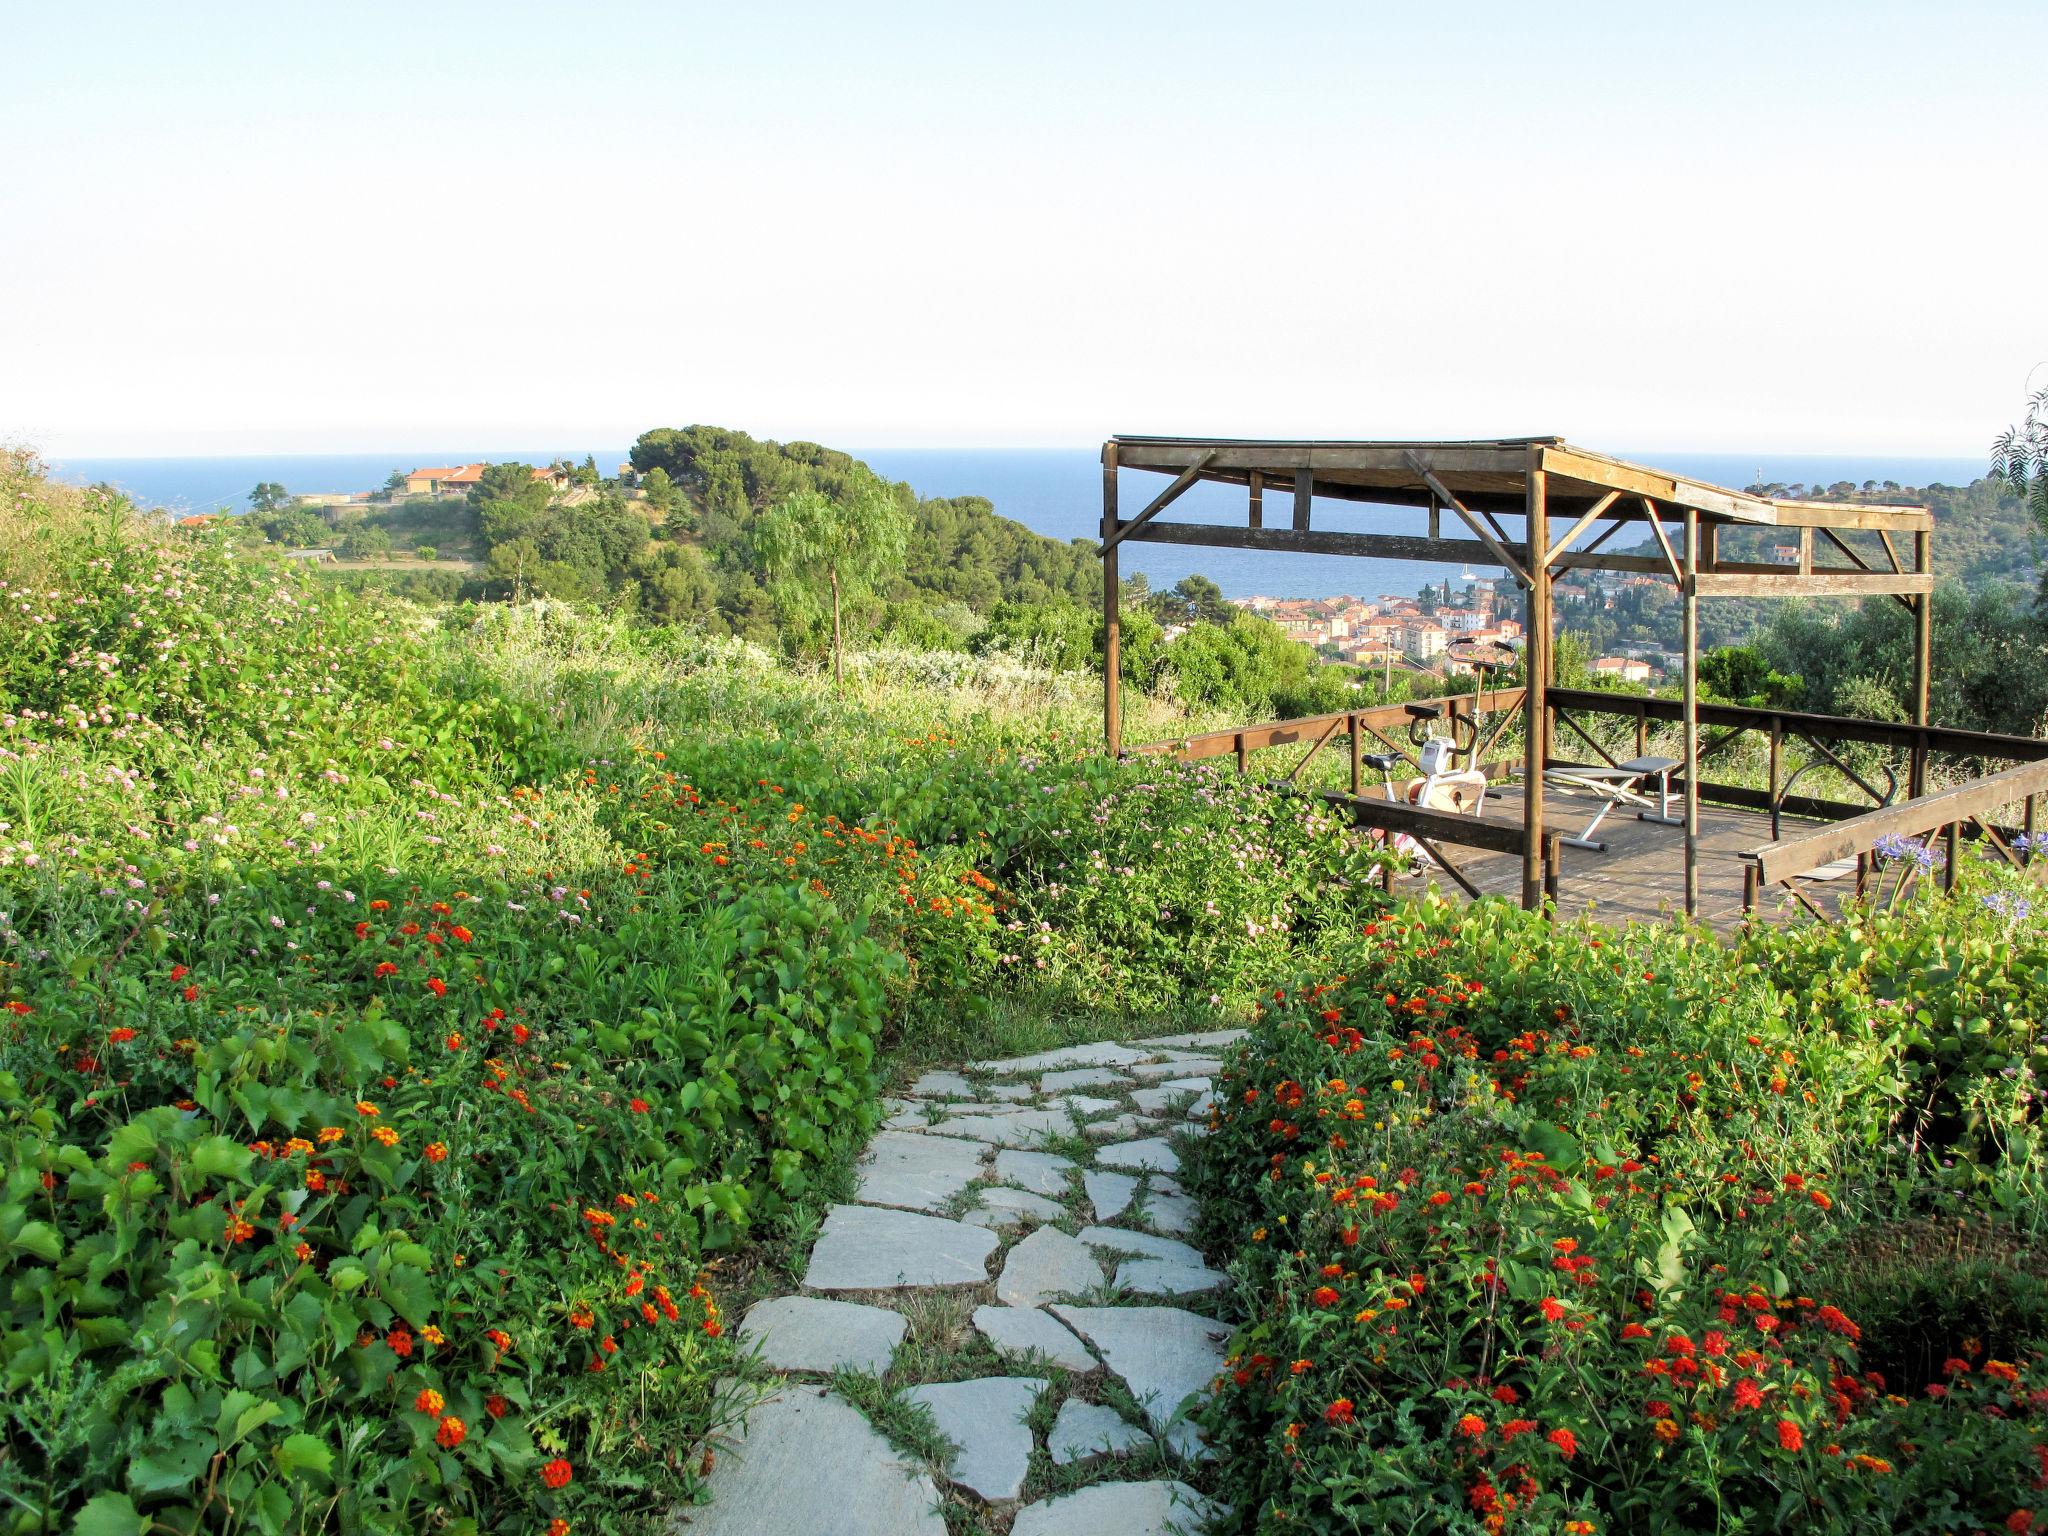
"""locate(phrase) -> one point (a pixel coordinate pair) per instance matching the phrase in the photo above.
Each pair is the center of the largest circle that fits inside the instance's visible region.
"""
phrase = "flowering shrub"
(1538, 1224)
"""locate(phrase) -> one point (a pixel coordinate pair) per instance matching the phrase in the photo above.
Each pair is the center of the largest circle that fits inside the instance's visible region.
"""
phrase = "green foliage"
(269, 497)
(1989, 647)
(818, 552)
(1250, 670)
(1192, 600)
(607, 923)
(1740, 674)
(1557, 1224)
(366, 543)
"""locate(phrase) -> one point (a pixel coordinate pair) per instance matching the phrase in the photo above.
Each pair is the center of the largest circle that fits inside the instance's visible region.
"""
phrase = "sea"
(1054, 491)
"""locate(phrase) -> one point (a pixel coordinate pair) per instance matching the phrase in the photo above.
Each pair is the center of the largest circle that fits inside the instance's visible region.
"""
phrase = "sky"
(1771, 227)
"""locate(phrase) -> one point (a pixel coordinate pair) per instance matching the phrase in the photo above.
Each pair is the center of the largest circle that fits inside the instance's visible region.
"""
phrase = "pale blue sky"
(1741, 227)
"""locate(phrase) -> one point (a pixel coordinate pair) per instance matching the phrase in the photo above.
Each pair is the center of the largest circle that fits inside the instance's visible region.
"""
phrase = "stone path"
(1005, 1328)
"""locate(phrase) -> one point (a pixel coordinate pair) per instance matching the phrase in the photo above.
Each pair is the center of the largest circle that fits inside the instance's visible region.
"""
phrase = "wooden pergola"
(1530, 506)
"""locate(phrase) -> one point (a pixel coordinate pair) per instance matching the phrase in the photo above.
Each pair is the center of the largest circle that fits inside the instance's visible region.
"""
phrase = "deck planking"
(1641, 875)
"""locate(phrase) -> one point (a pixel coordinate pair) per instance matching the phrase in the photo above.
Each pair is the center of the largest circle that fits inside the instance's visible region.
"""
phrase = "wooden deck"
(1642, 873)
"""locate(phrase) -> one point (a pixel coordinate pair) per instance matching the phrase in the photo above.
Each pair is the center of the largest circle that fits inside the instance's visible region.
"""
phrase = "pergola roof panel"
(1490, 473)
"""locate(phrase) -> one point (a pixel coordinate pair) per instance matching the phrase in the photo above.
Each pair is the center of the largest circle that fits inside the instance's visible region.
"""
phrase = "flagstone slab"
(1020, 1203)
(1090, 1432)
(1122, 1128)
(985, 1418)
(1102, 1053)
(942, 1085)
(1082, 1077)
(1174, 1065)
(1081, 1105)
(1043, 1173)
(1162, 1184)
(919, 1171)
(1046, 1264)
(1192, 1065)
(1144, 1244)
(1157, 1101)
(1149, 1152)
(1161, 1277)
(810, 1333)
(870, 1248)
(1109, 1193)
(809, 1461)
(1172, 1214)
(1207, 1040)
(1007, 1091)
(1018, 1331)
(1164, 1355)
(1016, 1128)
(1166, 1507)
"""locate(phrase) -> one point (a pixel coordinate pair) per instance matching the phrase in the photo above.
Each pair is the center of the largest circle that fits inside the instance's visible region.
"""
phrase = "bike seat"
(1424, 711)
(1383, 761)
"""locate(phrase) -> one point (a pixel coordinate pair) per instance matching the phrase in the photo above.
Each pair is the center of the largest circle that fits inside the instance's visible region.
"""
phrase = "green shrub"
(1534, 1223)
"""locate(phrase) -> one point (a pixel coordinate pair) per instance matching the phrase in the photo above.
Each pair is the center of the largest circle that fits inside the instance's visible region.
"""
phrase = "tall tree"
(817, 550)
(269, 496)
(2019, 457)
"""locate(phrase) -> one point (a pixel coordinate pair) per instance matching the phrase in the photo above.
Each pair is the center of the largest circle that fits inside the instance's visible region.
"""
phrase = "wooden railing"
(1431, 830)
(1966, 810)
(1501, 707)
(1730, 722)
(1946, 814)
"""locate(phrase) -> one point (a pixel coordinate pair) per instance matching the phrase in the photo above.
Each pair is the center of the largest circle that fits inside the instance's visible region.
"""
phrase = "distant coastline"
(1053, 491)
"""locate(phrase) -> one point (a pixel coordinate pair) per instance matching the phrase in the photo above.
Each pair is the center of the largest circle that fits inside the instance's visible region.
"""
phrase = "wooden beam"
(1570, 463)
(1891, 550)
(1690, 598)
(1910, 818)
(1663, 543)
(1158, 504)
(1444, 863)
(1884, 733)
(1463, 831)
(1579, 527)
(1808, 514)
(1499, 550)
(1304, 493)
(1258, 499)
(1280, 733)
(1490, 458)
(1112, 654)
(1377, 546)
(1294, 773)
(1819, 584)
(1923, 659)
(1536, 663)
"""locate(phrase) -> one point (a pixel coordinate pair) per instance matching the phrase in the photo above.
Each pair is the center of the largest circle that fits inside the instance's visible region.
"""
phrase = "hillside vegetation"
(418, 1024)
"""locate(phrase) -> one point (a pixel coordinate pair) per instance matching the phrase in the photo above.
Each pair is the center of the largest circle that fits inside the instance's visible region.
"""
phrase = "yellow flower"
(1400, 1085)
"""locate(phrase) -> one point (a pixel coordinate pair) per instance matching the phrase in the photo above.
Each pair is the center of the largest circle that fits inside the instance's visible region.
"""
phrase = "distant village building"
(311, 556)
(1622, 669)
(445, 480)
(1424, 640)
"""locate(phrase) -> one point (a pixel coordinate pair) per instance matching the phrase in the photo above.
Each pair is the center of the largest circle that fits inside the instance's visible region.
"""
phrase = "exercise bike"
(1444, 786)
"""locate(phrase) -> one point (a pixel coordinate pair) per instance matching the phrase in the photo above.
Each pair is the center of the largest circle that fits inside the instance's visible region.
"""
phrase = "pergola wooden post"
(1542, 480)
(1923, 657)
(1536, 663)
(1689, 590)
(1112, 639)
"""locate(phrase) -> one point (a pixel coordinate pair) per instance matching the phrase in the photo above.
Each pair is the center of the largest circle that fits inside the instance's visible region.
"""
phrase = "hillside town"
(1441, 632)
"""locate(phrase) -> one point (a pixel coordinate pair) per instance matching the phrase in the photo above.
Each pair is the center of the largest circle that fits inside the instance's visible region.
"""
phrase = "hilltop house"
(450, 480)
(1622, 668)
